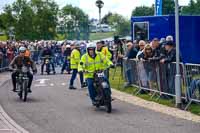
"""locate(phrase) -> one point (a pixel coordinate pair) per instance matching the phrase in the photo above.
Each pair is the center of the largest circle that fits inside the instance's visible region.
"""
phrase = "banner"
(158, 7)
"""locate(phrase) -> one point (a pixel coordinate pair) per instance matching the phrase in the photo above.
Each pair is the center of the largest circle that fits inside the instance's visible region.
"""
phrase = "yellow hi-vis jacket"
(106, 52)
(90, 65)
(75, 59)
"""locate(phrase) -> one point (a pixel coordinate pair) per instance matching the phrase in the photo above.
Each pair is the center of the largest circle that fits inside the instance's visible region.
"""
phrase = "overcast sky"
(123, 7)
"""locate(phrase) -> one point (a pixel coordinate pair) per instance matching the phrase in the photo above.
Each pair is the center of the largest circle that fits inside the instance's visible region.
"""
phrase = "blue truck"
(149, 27)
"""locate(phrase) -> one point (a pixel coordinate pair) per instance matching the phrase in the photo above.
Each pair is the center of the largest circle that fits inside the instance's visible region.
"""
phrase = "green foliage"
(168, 7)
(75, 24)
(101, 35)
(34, 19)
(143, 11)
(106, 17)
(193, 8)
(118, 22)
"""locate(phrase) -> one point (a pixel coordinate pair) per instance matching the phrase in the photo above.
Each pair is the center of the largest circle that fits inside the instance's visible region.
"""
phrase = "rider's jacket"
(47, 52)
(90, 65)
(75, 58)
(19, 61)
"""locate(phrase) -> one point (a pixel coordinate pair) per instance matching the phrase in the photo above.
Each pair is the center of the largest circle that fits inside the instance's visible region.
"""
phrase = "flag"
(158, 7)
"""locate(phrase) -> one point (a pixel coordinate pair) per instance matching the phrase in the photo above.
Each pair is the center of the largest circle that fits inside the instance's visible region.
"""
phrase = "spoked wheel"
(19, 87)
(25, 91)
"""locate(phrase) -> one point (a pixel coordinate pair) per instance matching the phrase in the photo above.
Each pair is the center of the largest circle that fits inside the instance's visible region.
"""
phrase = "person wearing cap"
(90, 62)
(18, 62)
(74, 61)
(170, 53)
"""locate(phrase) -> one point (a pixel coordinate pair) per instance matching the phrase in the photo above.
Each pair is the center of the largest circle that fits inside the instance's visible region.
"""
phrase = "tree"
(23, 14)
(143, 11)
(45, 20)
(118, 22)
(193, 8)
(31, 19)
(106, 17)
(168, 7)
(75, 22)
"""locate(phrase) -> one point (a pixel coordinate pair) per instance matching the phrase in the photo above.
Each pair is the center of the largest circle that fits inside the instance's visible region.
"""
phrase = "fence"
(159, 79)
(4, 62)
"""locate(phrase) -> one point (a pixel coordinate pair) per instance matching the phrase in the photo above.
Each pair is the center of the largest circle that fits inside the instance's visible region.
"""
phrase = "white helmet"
(91, 45)
(169, 38)
(22, 49)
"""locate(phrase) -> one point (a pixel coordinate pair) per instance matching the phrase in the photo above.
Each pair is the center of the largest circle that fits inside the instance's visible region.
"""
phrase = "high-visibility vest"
(106, 52)
(75, 58)
(90, 65)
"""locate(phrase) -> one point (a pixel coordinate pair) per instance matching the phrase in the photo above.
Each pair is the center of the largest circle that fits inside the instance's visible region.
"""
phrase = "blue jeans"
(91, 89)
(74, 74)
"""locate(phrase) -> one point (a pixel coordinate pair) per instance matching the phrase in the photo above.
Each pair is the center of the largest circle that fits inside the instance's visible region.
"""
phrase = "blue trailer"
(149, 27)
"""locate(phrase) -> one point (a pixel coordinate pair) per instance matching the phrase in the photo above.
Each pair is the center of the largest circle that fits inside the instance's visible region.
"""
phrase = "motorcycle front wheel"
(25, 90)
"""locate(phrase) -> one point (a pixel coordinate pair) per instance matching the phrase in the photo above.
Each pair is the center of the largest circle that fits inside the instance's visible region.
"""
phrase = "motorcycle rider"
(90, 62)
(18, 62)
(74, 62)
(47, 52)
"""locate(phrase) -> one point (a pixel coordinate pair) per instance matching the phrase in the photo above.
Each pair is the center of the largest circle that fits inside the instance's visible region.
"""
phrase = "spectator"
(170, 53)
(170, 69)
(131, 54)
(141, 46)
(10, 53)
(147, 68)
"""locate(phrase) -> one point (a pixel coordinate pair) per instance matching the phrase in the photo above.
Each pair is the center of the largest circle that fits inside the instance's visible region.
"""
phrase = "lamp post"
(99, 4)
(178, 76)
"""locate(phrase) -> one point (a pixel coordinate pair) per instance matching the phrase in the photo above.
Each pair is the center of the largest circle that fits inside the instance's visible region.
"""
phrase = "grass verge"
(117, 83)
(99, 36)
(3, 38)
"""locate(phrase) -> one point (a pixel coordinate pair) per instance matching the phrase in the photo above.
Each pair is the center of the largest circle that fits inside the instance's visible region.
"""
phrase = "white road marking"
(63, 84)
(41, 82)
(51, 84)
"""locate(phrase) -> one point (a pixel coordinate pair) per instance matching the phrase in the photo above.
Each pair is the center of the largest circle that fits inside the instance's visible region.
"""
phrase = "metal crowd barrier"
(154, 78)
(192, 83)
(3, 64)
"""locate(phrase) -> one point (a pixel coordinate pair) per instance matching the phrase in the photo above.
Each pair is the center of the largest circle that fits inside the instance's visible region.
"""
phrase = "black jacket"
(170, 56)
(131, 54)
(47, 52)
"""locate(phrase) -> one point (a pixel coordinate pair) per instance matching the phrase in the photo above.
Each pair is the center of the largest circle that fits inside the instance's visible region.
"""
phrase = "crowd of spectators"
(9, 49)
(151, 55)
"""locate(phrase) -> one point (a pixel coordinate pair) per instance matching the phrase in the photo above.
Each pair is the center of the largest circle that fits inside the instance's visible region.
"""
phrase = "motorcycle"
(22, 83)
(47, 62)
(103, 91)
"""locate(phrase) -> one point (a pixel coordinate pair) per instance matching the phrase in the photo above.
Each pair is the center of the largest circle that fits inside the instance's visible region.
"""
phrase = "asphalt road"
(53, 108)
